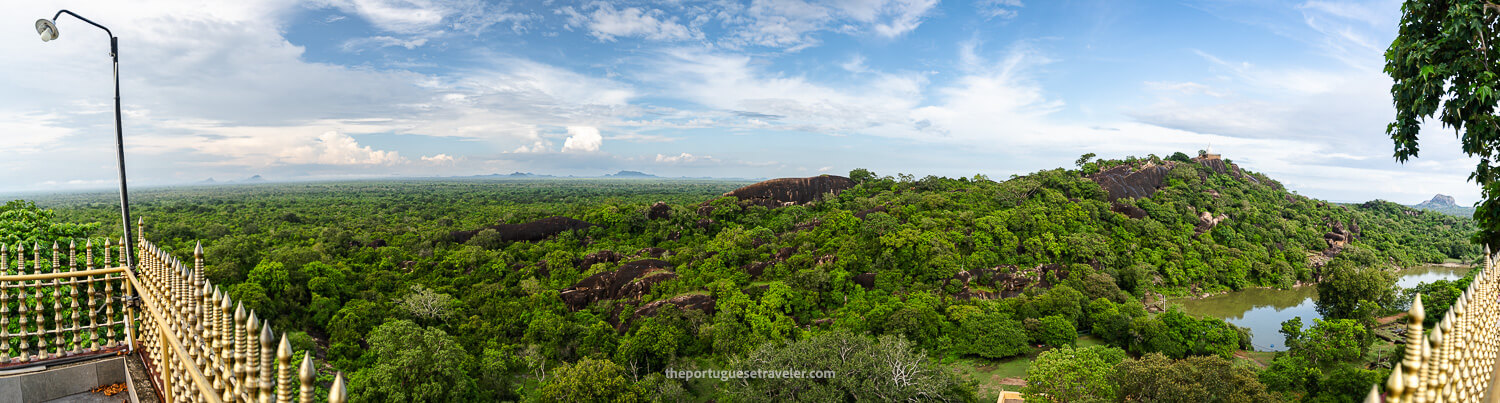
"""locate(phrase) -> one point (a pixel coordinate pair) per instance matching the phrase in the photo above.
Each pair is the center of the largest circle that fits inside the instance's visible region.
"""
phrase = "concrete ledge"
(61, 381)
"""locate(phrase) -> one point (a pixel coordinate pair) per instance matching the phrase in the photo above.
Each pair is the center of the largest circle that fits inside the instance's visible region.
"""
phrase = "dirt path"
(1387, 320)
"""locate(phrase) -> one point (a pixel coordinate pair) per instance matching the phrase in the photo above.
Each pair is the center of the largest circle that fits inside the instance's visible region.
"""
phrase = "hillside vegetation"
(417, 290)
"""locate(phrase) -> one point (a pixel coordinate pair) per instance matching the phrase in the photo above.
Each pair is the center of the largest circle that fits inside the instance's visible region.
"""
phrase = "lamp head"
(47, 29)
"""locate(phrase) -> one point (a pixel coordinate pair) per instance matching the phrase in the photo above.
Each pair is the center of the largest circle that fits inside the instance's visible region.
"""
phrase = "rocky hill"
(1445, 204)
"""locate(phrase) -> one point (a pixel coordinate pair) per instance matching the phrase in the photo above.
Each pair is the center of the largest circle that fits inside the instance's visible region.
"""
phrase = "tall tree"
(1074, 375)
(414, 364)
(1443, 58)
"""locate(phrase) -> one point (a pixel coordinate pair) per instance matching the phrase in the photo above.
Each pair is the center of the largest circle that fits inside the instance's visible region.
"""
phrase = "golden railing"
(32, 294)
(1457, 360)
(196, 343)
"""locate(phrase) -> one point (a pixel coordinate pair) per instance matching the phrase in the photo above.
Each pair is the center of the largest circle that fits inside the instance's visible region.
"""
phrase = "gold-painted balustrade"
(51, 310)
(197, 344)
(1457, 360)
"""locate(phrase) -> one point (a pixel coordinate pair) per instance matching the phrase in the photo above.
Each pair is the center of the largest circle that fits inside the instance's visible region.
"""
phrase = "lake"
(1262, 310)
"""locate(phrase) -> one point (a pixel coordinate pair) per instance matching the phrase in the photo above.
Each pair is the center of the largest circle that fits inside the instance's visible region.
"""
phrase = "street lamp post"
(48, 30)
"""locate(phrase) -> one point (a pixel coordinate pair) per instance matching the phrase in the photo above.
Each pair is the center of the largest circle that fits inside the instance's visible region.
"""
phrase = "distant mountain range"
(211, 181)
(1445, 204)
(630, 174)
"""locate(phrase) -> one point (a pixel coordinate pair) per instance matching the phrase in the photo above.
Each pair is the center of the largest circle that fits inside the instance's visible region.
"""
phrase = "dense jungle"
(1057, 283)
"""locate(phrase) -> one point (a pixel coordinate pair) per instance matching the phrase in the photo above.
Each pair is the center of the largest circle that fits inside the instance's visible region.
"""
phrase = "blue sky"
(299, 90)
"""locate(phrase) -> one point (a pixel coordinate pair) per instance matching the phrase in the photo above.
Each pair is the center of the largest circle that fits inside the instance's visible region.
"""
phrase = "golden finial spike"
(1494, 386)
(1395, 385)
(239, 347)
(266, 351)
(252, 355)
(307, 375)
(1416, 309)
(1372, 397)
(198, 250)
(337, 393)
(284, 371)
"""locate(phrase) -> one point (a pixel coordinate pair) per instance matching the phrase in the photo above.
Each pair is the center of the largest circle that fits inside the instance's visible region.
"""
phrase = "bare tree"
(426, 304)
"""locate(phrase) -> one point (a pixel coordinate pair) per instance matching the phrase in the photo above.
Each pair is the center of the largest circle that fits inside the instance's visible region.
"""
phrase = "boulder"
(1206, 222)
(603, 256)
(529, 232)
(659, 210)
(630, 281)
(791, 191)
(784, 253)
(701, 302)
(654, 253)
(755, 269)
(862, 213)
(1338, 237)
(1128, 210)
(1124, 181)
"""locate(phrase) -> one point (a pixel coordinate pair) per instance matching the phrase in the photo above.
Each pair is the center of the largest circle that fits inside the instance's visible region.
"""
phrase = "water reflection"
(1263, 310)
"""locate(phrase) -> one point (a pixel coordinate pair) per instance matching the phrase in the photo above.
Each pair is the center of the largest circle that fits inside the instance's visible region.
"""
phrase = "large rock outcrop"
(531, 231)
(659, 210)
(603, 256)
(1218, 165)
(1207, 221)
(1125, 181)
(1128, 210)
(1338, 237)
(1441, 200)
(789, 191)
(701, 302)
(630, 281)
(1004, 281)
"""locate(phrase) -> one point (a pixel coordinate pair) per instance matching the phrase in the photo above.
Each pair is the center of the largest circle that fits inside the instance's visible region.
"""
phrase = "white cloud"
(582, 139)
(855, 64)
(750, 96)
(538, 146)
(904, 16)
(1185, 87)
(684, 158)
(792, 24)
(357, 44)
(998, 8)
(334, 148)
(440, 159)
(606, 23)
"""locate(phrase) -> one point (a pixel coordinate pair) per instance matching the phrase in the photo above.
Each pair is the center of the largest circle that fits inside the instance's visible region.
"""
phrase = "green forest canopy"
(372, 275)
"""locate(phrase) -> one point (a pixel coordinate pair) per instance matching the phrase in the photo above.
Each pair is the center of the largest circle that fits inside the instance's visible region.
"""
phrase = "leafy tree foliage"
(591, 380)
(949, 266)
(1437, 297)
(23, 223)
(887, 368)
(1073, 375)
(1442, 62)
(1321, 363)
(1055, 331)
(989, 335)
(1156, 378)
(414, 364)
(1346, 284)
